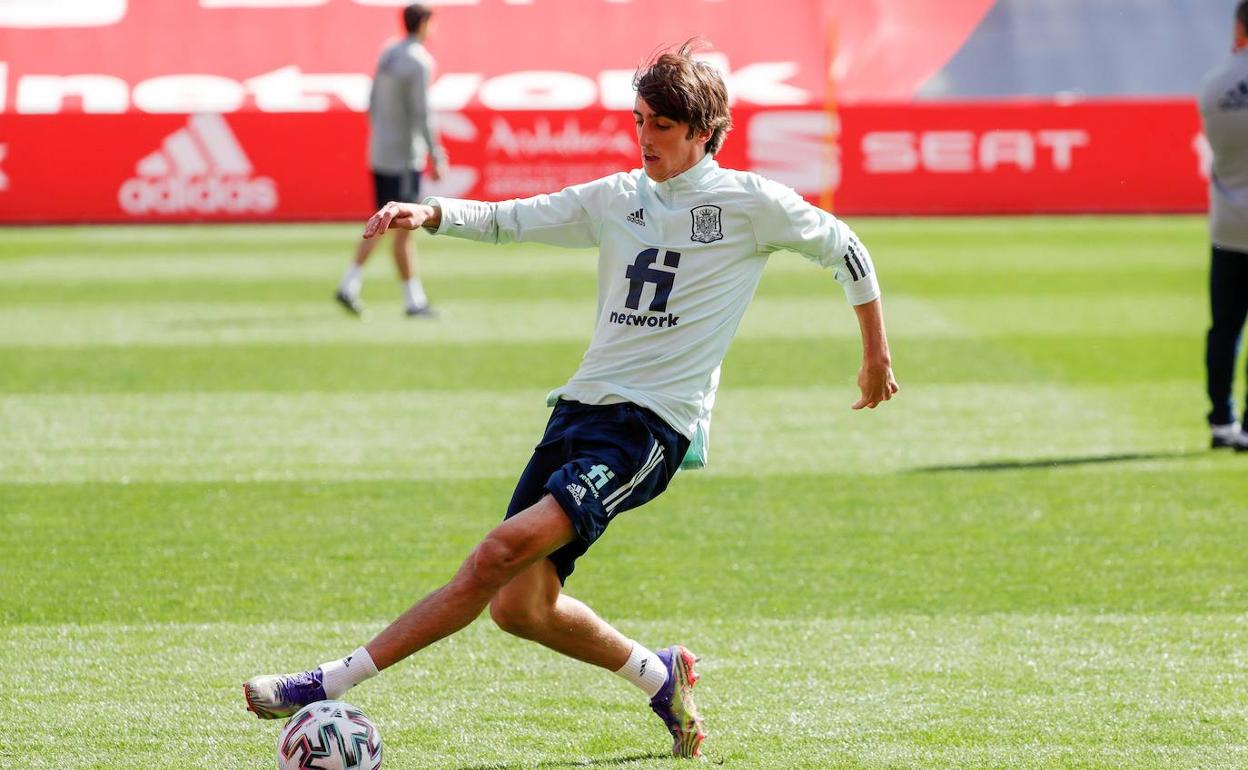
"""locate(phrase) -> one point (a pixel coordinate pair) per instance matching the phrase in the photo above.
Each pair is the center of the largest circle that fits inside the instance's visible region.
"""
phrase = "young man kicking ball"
(682, 244)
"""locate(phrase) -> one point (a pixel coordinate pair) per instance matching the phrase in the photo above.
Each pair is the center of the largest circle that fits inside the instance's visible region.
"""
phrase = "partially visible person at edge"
(681, 246)
(402, 141)
(1224, 112)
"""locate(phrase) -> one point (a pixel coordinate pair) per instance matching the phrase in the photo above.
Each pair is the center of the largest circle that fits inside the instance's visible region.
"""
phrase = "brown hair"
(1241, 15)
(686, 91)
(415, 15)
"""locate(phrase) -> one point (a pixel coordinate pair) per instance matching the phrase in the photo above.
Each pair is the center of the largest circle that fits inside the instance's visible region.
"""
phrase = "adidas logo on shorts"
(578, 492)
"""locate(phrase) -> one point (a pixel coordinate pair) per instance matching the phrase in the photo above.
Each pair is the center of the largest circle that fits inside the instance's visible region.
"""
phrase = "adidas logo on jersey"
(199, 169)
(1236, 98)
(578, 492)
(638, 217)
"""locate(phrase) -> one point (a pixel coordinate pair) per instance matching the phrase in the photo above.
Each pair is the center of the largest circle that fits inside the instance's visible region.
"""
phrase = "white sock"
(352, 280)
(645, 670)
(414, 293)
(1228, 431)
(338, 676)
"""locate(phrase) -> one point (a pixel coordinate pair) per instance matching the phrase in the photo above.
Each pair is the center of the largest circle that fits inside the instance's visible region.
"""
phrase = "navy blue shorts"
(404, 188)
(597, 462)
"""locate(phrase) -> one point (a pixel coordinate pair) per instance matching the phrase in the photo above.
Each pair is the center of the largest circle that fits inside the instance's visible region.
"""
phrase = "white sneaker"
(1228, 435)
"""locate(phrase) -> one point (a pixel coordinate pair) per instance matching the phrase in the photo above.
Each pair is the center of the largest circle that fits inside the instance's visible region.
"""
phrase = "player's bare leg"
(509, 572)
(533, 606)
(363, 250)
(404, 251)
(348, 294)
(506, 551)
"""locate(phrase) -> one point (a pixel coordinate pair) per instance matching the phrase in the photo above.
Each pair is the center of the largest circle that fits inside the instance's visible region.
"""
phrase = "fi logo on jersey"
(641, 273)
(706, 224)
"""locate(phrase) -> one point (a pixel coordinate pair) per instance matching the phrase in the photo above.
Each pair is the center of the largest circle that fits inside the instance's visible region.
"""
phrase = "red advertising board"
(176, 110)
(135, 167)
(106, 56)
(1120, 156)
(899, 159)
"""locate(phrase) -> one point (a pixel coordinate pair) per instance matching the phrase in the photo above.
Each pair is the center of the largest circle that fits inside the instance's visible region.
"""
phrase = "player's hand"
(408, 216)
(876, 383)
(437, 170)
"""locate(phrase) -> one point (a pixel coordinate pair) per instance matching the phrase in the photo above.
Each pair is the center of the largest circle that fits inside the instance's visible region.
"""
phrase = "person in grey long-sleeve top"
(402, 141)
(1224, 112)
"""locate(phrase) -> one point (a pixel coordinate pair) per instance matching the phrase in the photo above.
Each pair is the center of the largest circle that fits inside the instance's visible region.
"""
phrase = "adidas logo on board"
(200, 169)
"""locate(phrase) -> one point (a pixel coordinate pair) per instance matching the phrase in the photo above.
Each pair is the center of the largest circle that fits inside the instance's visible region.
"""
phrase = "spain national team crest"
(706, 225)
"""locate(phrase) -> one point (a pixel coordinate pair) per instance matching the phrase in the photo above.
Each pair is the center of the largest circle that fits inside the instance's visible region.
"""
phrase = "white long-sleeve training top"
(678, 263)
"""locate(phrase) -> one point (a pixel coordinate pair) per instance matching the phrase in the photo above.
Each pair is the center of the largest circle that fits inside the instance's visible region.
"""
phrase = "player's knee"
(520, 618)
(495, 562)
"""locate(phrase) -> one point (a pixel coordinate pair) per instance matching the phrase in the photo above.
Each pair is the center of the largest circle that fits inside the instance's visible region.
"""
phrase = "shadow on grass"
(1056, 462)
(557, 763)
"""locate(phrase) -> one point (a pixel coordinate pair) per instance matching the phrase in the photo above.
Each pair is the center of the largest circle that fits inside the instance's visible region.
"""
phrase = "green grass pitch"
(1030, 559)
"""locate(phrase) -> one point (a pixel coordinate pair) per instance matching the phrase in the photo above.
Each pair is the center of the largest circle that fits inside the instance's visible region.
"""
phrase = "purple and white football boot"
(277, 696)
(674, 703)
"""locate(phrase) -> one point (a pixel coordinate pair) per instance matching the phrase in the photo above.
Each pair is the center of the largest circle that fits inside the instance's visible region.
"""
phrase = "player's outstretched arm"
(875, 378)
(407, 216)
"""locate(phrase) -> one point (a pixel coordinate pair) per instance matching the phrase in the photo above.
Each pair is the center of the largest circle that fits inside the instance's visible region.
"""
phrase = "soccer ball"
(329, 735)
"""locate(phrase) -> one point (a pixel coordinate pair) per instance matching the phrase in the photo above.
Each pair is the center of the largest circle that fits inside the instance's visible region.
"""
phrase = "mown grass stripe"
(478, 434)
(503, 319)
(413, 365)
(1156, 692)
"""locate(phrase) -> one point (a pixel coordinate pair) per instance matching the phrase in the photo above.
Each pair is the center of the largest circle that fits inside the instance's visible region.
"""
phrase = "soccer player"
(402, 140)
(1224, 111)
(682, 244)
